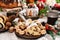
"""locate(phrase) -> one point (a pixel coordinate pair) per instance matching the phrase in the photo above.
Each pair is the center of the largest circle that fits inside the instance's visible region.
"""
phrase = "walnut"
(8, 24)
(7, 19)
(11, 29)
(6, 27)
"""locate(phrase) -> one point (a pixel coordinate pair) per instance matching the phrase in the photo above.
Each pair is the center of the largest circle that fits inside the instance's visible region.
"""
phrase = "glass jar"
(8, 3)
(52, 17)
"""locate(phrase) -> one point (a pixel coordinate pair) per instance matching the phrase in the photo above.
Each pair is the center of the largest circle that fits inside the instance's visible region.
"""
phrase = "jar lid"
(54, 11)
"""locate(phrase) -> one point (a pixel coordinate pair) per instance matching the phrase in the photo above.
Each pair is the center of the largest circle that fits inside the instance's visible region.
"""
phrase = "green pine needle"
(58, 1)
(43, 11)
(58, 33)
(51, 33)
(0, 9)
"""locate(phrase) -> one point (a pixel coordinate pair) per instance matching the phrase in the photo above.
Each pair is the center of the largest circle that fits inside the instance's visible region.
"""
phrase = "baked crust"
(10, 5)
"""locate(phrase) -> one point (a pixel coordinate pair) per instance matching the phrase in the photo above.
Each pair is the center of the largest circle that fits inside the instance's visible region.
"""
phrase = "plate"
(28, 37)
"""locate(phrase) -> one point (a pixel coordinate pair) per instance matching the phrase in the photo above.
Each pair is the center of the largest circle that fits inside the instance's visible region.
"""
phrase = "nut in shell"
(11, 29)
(8, 23)
(6, 27)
